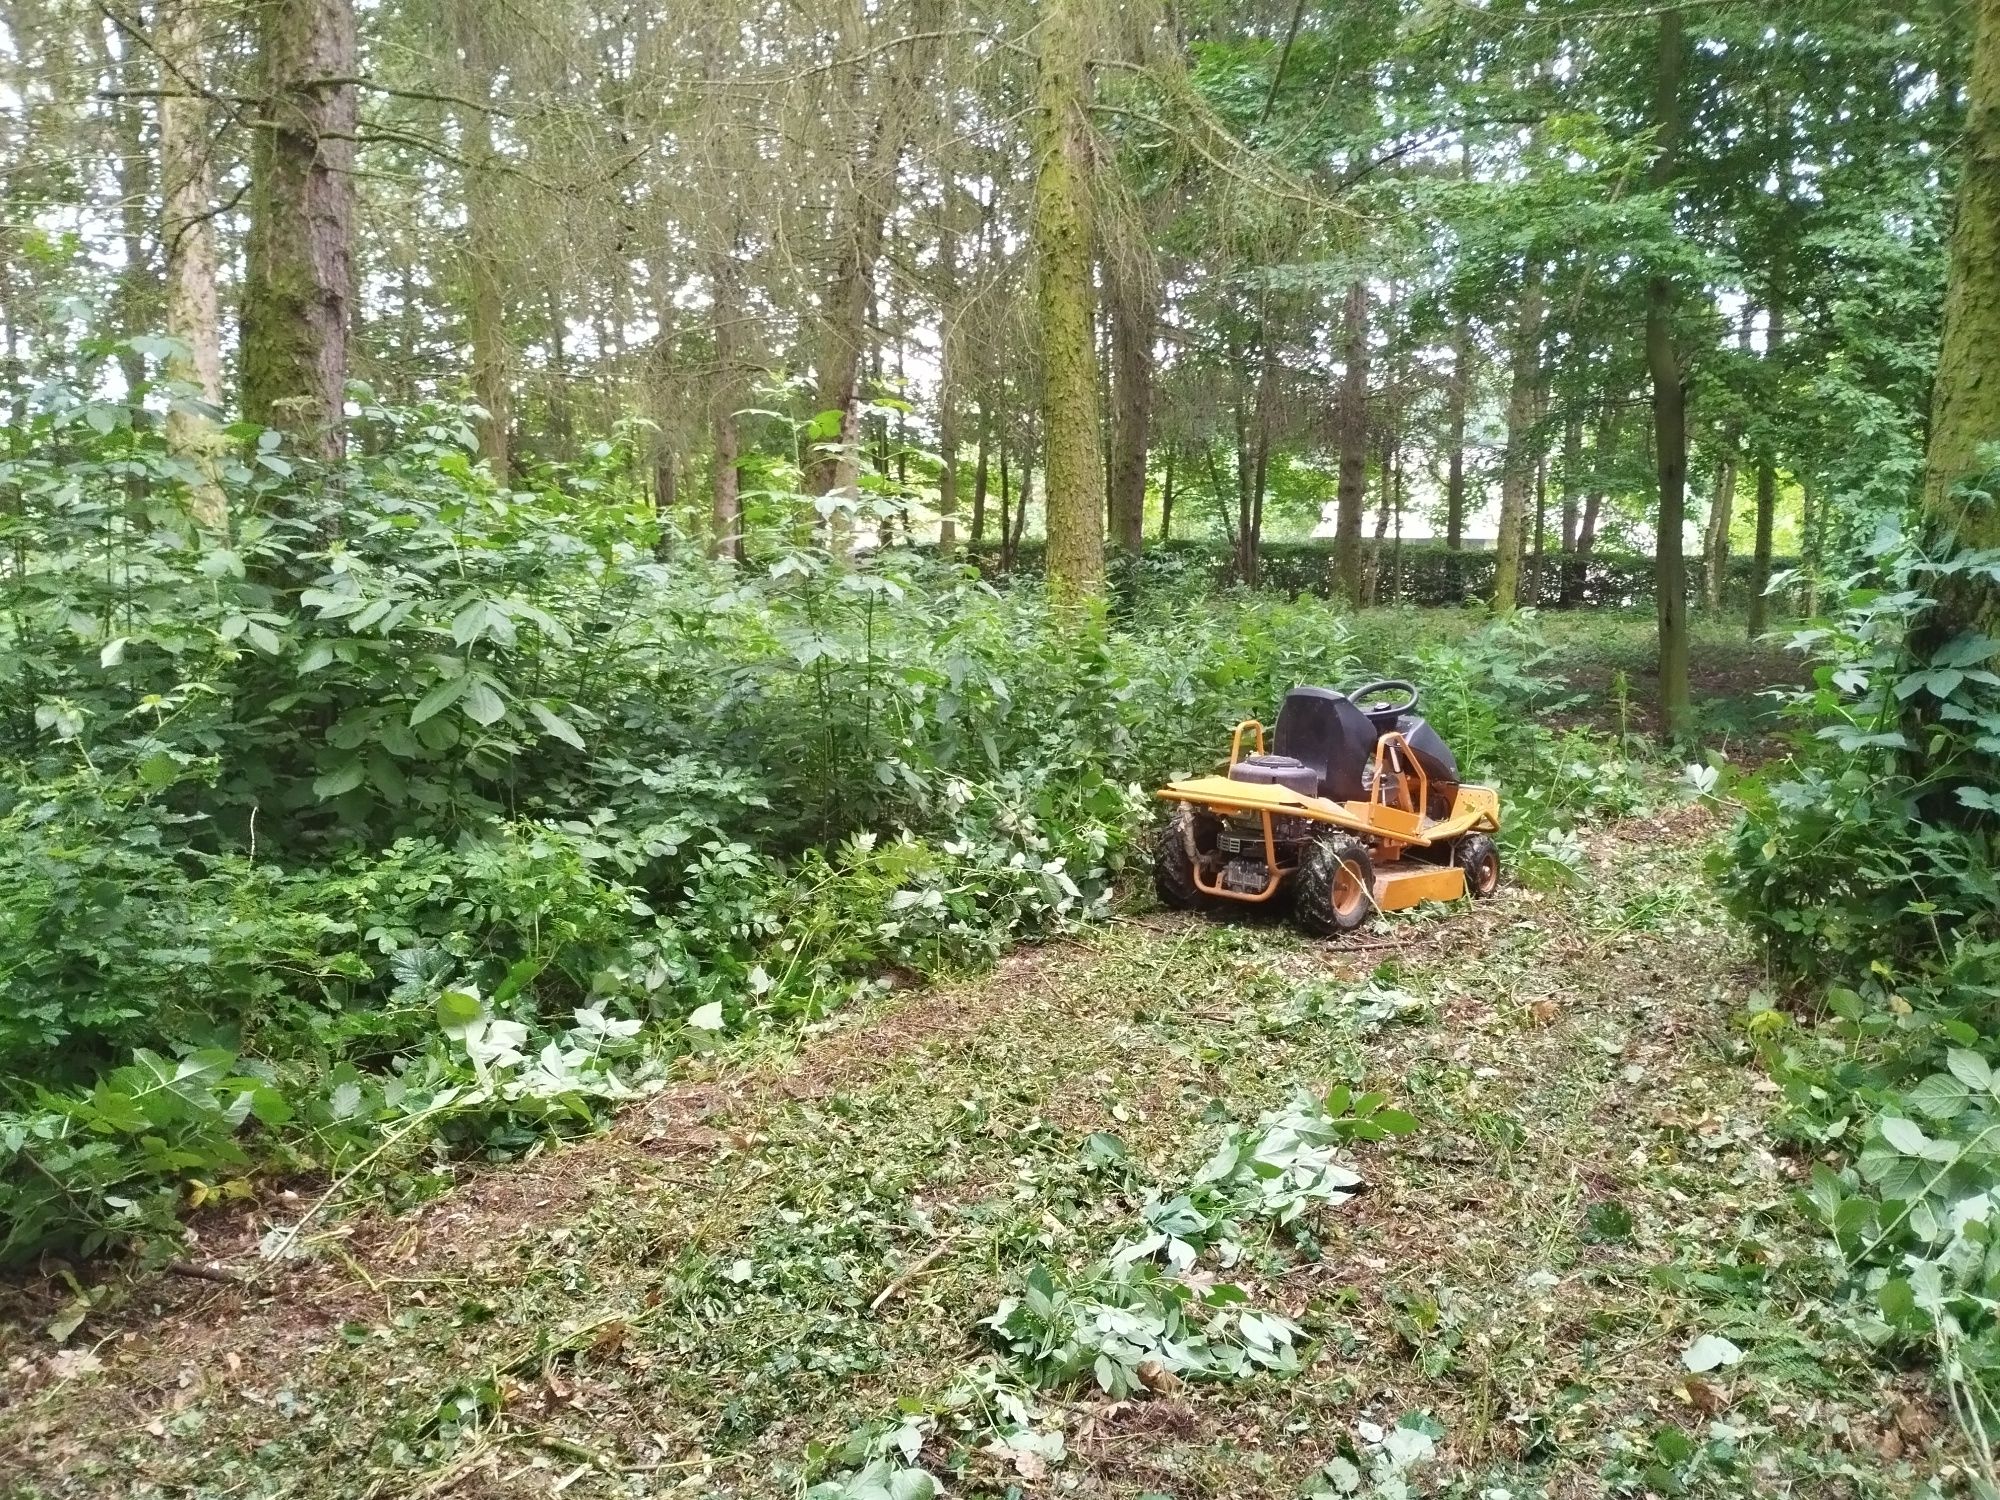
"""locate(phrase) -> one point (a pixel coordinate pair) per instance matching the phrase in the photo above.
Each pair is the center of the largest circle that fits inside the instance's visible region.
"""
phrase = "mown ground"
(801, 1237)
(690, 1303)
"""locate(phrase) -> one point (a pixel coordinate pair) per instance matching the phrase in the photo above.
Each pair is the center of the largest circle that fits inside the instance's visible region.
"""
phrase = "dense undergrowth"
(418, 818)
(1869, 863)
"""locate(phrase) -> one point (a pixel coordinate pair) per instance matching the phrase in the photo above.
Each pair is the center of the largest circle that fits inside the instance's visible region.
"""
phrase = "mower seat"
(1319, 748)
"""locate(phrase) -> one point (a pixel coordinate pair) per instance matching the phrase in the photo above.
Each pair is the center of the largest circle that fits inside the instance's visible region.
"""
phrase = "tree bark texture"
(725, 531)
(298, 290)
(1663, 361)
(1073, 486)
(1965, 402)
(1721, 516)
(857, 247)
(193, 306)
(1132, 296)
(1517, 472)
(485, 287)
(1353, 487)
(1767, 471)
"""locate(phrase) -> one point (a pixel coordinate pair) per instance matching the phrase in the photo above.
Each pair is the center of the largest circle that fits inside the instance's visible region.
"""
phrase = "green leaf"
(269, 1106)
(457, 1010)
(1904, 1135)
(1969, 1068)
(342, 779)
(439, 698)
(556, 724)
(482, 704)
(1940, 1096)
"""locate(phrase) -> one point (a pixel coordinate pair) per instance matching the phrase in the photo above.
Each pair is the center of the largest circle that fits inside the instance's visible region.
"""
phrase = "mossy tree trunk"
(1517, 472)
(1352, 492)
(298, 288)
(1073, 486)
(1663, 361)
(1965, 402)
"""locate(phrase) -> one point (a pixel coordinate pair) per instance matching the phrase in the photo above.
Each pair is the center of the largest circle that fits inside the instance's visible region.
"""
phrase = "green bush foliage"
(272, 799)
(1869, 864)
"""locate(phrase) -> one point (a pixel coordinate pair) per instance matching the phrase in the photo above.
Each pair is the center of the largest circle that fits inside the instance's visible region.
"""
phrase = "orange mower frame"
(1390, 857)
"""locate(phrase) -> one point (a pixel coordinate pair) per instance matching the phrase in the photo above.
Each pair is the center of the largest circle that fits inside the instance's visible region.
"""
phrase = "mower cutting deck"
(1356, 808)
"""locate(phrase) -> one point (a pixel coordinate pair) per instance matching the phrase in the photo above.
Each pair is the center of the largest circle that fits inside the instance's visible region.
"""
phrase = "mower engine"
(1241, 839)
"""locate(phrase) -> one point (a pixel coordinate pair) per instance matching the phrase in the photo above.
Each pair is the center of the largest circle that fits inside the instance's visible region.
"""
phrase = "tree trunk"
(193, 308)
(1721, 515)
(725, 307)
(1021, 503)
(1387, 459)
(133, 303)
(979, 480)
(1132, 317)
(486, 303)
(858, 240)
(298, 287)
(1663, 360)
(948, 377)
(1167, 496)
(1767, 474)
(1517, 471)
(1965, 403)
(1060, 237)
(1006, 513)
(1260, 469)
(1572, 479)
(1810, 522)
(1353, 446)
(1454, 485)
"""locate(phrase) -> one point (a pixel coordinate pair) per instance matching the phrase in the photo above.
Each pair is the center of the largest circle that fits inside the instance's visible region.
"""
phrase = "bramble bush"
(271, 798)
(1869, 866)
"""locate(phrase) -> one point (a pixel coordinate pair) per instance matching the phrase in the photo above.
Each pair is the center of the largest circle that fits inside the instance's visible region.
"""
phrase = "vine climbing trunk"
(298, 285)
(1060, 234)
(1663, 361)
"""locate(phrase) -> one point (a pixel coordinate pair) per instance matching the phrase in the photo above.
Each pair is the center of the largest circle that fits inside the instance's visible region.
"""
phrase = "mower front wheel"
(1189, 834)
(1334, 890)
(1480, 859)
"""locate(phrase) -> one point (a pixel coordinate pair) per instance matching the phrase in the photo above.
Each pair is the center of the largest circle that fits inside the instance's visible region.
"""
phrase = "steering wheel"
(1406, 704)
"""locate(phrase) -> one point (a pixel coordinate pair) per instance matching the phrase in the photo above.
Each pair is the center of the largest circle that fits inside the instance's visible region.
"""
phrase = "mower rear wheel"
(1480, 859)
(1189, 833)
(1334, 890)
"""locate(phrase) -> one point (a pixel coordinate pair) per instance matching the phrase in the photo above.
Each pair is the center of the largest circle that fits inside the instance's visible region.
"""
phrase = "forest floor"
(801, 1237)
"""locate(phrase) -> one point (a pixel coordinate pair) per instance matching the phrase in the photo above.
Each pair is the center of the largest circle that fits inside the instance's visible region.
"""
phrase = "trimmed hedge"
(1426, 573)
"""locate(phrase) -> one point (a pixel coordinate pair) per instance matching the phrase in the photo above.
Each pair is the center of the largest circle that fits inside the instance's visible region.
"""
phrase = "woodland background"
(537, 542)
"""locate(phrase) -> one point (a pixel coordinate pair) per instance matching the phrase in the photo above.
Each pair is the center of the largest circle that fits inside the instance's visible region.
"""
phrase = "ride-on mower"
(1356, 808)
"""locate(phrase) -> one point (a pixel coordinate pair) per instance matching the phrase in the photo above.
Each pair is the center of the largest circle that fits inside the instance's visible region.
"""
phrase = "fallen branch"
(194, 1271)
(902, 1282)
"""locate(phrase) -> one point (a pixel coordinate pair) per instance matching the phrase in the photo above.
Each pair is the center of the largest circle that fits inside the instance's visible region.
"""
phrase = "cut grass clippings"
(801, 1243)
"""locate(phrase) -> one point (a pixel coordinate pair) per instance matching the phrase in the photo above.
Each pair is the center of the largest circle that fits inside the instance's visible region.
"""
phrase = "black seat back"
(1322, 729)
